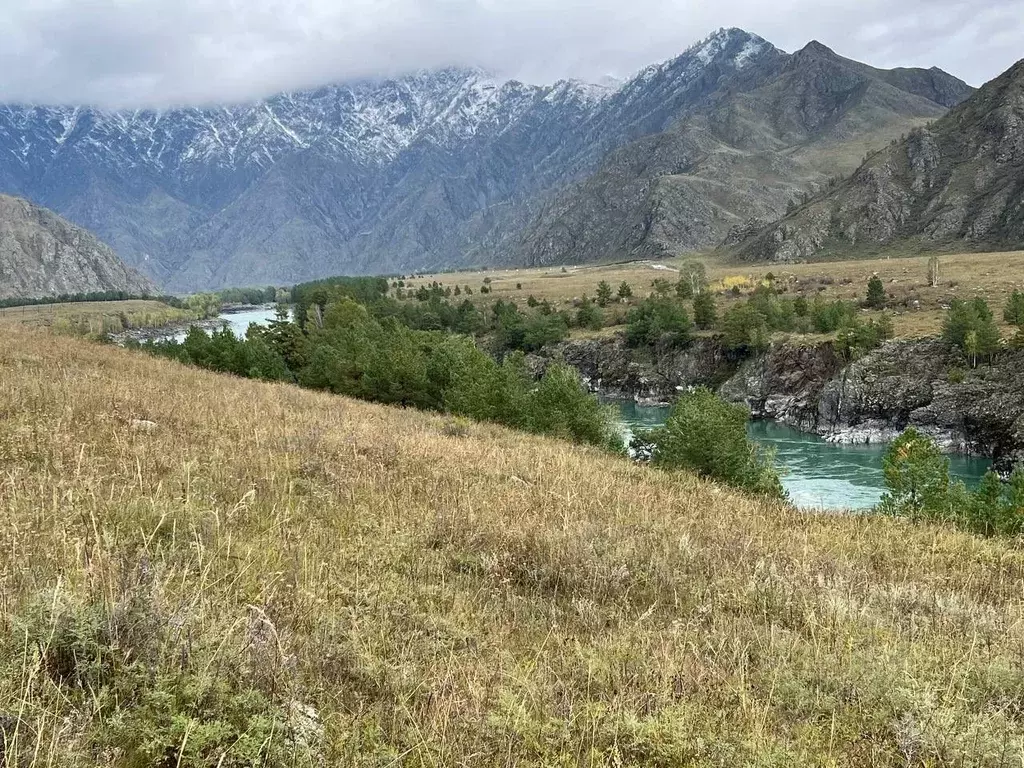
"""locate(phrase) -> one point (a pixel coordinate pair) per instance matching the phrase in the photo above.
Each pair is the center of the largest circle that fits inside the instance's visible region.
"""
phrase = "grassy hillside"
(201, 570)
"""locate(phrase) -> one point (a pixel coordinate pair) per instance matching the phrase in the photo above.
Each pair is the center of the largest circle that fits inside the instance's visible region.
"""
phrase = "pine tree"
(624, 290)
(1014, 312)
(705, 313)
(876, 293)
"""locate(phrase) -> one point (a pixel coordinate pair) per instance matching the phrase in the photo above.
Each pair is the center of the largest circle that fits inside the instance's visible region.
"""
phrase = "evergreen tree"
(624, 290)
(705, 312)
(604, 293)
(1014, 312)
(876, 293)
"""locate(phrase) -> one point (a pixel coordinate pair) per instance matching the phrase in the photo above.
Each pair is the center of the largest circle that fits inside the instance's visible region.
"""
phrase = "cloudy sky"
(157, 52)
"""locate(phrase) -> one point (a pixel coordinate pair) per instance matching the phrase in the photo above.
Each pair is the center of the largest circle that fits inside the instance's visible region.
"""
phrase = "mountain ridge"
(957, 183)
(772, 138)
(435, 170)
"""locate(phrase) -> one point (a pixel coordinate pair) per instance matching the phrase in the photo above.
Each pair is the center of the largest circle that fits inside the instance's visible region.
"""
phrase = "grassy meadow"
(993, 276)
(199, 570)
(95, 318)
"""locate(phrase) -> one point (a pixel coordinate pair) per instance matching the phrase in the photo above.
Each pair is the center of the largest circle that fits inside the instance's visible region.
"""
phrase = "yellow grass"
(990, 275)
(422, 593)
(95, 318)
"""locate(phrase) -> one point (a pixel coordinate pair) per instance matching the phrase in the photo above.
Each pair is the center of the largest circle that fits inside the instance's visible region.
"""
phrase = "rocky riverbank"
(143, 335)
(918, 383)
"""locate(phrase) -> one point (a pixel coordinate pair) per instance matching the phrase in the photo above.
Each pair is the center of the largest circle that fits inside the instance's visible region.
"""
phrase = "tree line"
(94, 296)
(349, 348)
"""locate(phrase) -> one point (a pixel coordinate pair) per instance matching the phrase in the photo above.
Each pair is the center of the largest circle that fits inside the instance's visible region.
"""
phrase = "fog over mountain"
(457, 167)
(111, 53)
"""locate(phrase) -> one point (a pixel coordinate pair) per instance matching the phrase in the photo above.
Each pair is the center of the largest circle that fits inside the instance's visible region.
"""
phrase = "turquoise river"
(817, 473)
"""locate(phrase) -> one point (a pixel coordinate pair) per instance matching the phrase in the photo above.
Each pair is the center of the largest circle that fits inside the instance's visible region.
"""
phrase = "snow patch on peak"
(713, 45)
(751, 48)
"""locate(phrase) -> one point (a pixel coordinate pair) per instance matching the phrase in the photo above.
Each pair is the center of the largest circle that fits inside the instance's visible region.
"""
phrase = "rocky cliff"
(918, 383)
(958, 183)
(42, 254)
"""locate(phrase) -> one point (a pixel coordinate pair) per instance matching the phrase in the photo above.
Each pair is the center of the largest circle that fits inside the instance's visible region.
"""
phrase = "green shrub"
(916, 477)
(560, 406)
(919, 487)
(1014, 311)
(589, 315)
(970, 327)
(709, 436)
(745, 330)
(657, 320)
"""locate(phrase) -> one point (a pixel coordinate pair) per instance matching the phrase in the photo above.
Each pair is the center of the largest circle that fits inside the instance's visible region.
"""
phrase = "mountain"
(956, 183)
(42, 254)
(782, 128)
(454, 168)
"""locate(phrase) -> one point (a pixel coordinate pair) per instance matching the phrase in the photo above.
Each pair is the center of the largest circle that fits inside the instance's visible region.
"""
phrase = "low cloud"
(125, 53)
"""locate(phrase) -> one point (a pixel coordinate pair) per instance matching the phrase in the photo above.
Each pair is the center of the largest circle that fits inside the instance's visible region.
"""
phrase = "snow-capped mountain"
(433, 169)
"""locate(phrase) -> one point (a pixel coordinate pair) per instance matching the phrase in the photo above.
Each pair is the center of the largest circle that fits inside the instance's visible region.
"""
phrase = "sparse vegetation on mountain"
(952, 184)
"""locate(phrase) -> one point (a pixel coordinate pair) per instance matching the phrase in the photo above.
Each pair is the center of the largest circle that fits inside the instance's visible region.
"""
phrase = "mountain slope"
(957, 182)
(441, 169)
(784, 129)
(42, 254)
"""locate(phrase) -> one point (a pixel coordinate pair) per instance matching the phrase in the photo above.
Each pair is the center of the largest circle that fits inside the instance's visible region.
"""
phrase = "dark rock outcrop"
(647, 376)
(918, 383)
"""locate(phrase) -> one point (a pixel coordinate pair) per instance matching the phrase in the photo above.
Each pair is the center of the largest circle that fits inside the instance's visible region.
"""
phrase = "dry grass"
(990, 275)
(423, 595)
(95, 318)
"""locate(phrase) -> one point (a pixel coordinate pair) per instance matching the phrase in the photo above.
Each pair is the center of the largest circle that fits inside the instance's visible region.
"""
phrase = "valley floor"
(95, 318)
(919, 308)
(189, 557)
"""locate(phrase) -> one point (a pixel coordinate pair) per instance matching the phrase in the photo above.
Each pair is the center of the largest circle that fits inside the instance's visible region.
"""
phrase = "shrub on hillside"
(709, 436)
(919, 487)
